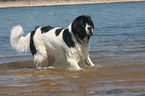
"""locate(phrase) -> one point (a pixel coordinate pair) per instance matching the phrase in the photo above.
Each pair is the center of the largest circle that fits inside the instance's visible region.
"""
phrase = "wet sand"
(59, 2)
(118, 77)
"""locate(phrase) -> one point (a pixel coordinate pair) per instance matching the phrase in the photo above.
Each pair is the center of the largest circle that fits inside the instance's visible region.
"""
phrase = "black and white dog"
(47, 43)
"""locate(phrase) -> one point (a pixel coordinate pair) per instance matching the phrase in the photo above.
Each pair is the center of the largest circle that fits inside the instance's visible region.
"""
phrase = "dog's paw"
(94, 67)
(97, 66)
(38, 67)
(51, 67)
(75, 69)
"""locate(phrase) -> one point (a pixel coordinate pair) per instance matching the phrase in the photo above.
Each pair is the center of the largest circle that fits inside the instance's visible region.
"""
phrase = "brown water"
(125, 78)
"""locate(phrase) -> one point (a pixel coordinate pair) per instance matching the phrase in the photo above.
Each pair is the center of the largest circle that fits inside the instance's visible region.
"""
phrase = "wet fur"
(47, 43)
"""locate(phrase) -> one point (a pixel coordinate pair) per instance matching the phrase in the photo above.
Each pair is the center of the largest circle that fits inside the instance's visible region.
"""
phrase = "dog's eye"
(89, 28)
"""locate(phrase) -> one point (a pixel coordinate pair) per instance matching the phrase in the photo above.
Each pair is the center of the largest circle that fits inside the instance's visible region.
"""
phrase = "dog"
(48, 43)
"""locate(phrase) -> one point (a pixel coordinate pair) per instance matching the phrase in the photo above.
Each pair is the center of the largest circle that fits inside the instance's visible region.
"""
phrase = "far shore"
(32, 3)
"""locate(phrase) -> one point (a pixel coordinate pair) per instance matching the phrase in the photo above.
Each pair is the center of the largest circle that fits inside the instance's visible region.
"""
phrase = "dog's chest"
(78, 53)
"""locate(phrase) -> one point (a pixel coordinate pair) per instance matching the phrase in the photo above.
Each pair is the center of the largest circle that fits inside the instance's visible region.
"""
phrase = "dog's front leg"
(73, 64)
(89, 62)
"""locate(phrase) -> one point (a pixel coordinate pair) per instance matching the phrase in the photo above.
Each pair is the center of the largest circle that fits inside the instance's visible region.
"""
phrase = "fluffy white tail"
(19, 42)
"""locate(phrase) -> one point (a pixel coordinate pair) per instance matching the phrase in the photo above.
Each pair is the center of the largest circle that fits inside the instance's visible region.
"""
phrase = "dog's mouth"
(85, 40)
(90, 34)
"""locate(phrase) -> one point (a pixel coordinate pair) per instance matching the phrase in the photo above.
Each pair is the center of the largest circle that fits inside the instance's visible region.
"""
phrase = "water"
(119, 27)
(118, 45)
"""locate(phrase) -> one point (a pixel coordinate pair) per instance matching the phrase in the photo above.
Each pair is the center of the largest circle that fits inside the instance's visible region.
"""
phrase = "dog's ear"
(77, 24)
(78, 27)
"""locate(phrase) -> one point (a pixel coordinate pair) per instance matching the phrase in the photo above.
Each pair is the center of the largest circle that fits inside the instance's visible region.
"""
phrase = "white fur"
(19, 42)
(87, 26)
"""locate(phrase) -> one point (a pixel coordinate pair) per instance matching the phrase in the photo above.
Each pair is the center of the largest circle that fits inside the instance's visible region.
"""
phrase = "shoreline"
(11, 4)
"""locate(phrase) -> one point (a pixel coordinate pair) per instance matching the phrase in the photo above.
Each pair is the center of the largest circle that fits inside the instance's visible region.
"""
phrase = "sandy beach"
(31, 3)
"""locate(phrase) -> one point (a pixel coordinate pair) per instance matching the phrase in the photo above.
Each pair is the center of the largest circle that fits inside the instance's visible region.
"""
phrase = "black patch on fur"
(57, 32)
(68, 38)
(32, 46)
(45, 29)
(78, 26)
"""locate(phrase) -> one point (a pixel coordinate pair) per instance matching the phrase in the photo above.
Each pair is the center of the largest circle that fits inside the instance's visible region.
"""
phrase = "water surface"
(118, 45)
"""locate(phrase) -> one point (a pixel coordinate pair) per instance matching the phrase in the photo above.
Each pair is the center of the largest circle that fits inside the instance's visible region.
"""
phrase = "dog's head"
(82, 27)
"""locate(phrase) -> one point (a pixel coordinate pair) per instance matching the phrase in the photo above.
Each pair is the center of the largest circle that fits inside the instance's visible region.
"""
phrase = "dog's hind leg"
(51, 61)
(40, 57)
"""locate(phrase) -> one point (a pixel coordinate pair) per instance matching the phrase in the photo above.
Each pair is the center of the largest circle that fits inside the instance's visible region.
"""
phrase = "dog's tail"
(19, 42)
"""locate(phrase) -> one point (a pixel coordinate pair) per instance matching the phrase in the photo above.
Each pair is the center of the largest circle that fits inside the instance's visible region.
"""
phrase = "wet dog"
(47, 43)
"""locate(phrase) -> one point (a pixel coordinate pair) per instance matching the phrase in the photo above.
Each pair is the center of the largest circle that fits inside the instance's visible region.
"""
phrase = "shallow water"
(20, 78)
(118, 45)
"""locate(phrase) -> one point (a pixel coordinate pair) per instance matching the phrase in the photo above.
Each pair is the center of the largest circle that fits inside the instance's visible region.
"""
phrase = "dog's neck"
(70, 28)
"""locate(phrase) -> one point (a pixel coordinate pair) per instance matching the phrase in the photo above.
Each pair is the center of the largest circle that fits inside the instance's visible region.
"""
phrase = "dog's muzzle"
(90, 29)
(90, 33)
